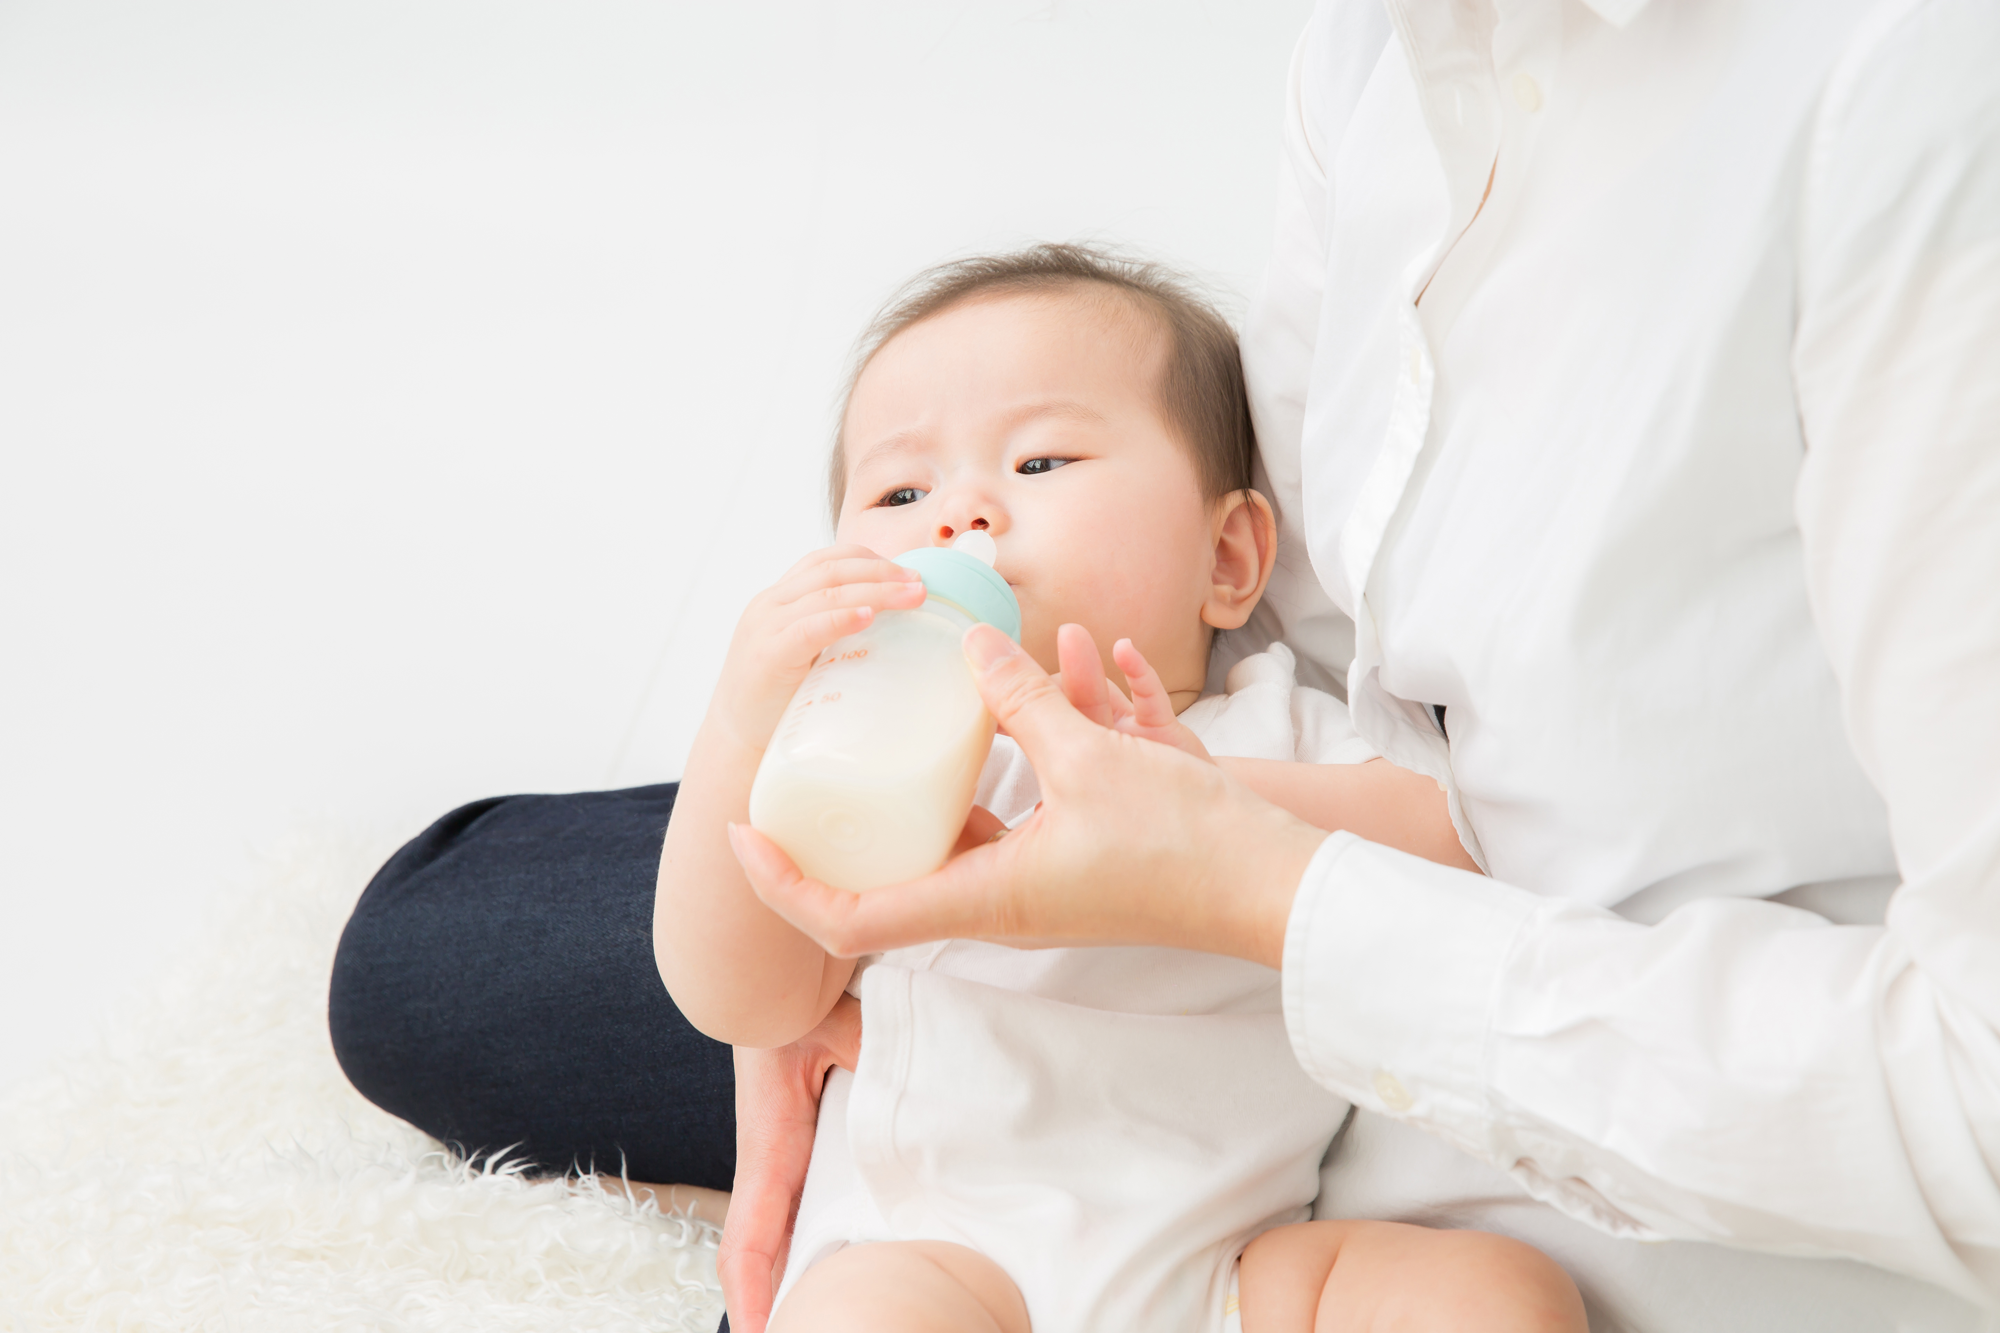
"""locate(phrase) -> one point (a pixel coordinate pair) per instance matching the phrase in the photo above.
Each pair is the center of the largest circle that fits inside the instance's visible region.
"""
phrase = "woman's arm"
(1756, 1075)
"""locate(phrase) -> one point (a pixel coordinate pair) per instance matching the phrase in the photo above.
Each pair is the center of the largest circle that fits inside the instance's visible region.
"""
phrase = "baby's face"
(1036, 419)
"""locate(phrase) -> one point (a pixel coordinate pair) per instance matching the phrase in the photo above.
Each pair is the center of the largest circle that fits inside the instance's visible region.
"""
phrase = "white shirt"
(1628, 381)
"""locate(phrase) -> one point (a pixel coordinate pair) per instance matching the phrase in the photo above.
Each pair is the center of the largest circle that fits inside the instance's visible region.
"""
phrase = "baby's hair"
(1201, 388)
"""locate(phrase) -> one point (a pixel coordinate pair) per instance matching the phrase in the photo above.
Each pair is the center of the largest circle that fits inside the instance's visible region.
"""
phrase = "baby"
(1112, 1140)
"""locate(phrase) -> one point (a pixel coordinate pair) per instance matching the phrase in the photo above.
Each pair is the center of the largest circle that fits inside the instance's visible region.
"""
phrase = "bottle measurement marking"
(825, 663)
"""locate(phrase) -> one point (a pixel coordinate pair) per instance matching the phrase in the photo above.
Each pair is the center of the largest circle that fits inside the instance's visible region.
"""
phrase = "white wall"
(399, 398)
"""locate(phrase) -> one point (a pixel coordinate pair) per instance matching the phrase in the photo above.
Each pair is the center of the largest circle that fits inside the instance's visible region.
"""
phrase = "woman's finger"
(981, 827)
(776, 1114)
(838, 1036)
(848, 925)
(1083, 680)
(1023, 697)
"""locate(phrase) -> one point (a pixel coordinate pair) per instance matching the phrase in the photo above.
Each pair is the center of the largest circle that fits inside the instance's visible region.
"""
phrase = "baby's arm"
(737, 970)
(1375, 800)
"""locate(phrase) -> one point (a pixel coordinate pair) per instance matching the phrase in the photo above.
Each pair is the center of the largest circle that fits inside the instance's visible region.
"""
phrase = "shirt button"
(1527, 93)
(1395, 1097)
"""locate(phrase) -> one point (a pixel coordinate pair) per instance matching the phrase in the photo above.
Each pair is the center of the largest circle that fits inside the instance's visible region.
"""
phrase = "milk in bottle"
(870, 774)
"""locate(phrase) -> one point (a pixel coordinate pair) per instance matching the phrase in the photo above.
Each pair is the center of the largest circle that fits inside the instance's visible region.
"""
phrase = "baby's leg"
(1367, 1277)
(916, 1286)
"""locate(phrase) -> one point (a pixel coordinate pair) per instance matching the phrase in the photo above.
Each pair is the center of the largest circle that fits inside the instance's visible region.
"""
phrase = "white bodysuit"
(1109, 1125)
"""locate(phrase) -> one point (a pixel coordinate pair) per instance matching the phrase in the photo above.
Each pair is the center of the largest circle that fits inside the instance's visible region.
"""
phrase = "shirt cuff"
(1391, 968)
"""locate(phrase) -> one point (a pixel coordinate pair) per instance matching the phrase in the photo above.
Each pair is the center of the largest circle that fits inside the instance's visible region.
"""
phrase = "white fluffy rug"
(209, 1168)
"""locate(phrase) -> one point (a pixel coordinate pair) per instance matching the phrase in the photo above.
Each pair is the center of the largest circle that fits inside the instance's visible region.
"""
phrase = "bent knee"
(903, 1287)
(1367, 1274)
(1517, 1278)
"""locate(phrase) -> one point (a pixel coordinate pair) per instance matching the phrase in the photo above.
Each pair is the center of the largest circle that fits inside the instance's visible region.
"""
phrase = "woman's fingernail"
(985, 645)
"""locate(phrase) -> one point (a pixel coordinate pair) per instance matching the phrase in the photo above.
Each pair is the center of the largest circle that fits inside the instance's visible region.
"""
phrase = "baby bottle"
(871, 772)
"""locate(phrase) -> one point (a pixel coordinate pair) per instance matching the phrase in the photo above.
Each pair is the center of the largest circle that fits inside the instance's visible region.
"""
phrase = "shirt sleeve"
(1746, 1072)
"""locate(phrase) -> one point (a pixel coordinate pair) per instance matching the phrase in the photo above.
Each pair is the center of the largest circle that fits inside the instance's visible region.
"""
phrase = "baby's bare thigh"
(1355, 1277)
(915, 1286)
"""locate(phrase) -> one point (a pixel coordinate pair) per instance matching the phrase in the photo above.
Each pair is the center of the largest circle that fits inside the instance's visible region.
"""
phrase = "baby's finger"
(1152, 706)
(834, 573)
(804, 638)
(893, 594)
(890, 591)
(842, 551)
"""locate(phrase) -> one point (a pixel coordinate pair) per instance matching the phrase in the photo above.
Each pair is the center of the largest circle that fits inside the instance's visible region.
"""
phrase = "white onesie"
(1112, 1125)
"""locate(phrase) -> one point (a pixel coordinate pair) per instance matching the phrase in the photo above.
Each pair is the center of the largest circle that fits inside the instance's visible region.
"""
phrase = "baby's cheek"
(859, 527)
(876, 530)
(1038, 636)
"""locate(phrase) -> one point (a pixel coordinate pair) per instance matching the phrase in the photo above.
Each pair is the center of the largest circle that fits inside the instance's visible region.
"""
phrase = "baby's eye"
(903, 495)
(1035, 466)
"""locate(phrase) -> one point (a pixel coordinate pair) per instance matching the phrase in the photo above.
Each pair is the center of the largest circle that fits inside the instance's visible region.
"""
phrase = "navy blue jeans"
(496, 988)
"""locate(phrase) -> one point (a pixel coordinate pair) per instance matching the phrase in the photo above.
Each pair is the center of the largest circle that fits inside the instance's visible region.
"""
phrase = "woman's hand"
(1134, 843)
(777, 1110)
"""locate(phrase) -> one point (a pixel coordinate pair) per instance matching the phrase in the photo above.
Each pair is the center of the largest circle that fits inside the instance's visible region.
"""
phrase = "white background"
(399, 398)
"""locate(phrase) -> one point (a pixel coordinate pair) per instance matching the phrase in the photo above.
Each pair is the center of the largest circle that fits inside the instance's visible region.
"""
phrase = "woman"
(1624, 382)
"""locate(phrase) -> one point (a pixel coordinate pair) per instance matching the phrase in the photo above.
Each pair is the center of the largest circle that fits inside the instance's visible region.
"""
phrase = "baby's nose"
(946, 533)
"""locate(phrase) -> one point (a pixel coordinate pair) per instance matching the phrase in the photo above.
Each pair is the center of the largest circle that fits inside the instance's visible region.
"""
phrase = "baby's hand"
(1148, 714)
(826, 596)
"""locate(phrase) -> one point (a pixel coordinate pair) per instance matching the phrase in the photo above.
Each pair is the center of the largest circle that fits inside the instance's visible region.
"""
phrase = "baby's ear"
(1245, 532)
